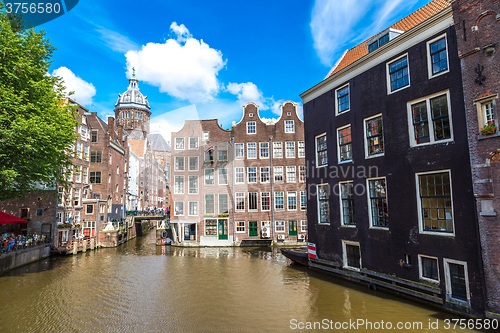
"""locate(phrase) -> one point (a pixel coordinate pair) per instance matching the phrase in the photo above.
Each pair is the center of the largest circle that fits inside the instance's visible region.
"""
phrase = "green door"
(252, 229)
(292, 228)
(222, 229)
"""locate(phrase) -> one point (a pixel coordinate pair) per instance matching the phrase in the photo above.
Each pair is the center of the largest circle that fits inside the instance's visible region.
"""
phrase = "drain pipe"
(271, 196)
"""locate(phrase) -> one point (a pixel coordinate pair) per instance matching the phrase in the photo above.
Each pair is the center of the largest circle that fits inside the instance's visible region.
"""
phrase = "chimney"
(111, 127)
(120, 133)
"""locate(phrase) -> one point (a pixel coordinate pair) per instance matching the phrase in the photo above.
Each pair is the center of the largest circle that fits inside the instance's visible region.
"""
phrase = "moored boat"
(297, 255)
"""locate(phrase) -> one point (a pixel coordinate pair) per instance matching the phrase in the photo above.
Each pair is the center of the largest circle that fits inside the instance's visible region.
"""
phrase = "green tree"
(36, 128)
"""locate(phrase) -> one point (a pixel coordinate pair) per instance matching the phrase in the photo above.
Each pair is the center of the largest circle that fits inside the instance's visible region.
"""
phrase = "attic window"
(289, 114)
(250, 114)
(378, 42)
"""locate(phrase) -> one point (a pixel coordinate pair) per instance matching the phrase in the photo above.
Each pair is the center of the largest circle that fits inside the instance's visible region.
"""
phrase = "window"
(210, 227)
(193, 163)
(251, 150)
(223, 177)
(86, 152)
(240, 201)
(342, 99)
(345, 144)
(252, 175)
(209, 177)
(302, 149)
(398, 74)
(264, 149)
(253, 201)
(209, 204)
(222, 155)
(193, 208)
(265, 199)
(279, 200)
(93, 137)
(321, 154)
(78, 175)
(117, 169)
(377, 196)
(431, 121)
(95, 177)
(179, 208)
(264, 175)
(374, 140)
(290, 149)
(179, 184)
(488, 114)
(239, 175)
(90, 209)
(377, 43)
(240, 150)
(302, 173)
(372, 46)
(179, 163)
(438, 56)
(384, 39)
(303, 226)
(435, 204)
(428, 268)
(60, 216)
(193, 143)
(278, 173)
(303, 200)
(291, 200)
(251, 127)
(85, 175)
(205, 136)
(179, 143)
(96, 156)
(79, 150)
(323, 194)
(277, 149)
(240, 226)
(457, 280)
(291, 175)
(352, 255)
(289, 126)
(347, 203)
(223, 204)
(209, 155)
(193, 184)
(280, 226)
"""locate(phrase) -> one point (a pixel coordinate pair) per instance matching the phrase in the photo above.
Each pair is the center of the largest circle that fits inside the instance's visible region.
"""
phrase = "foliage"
(36, 129)
(489, 128)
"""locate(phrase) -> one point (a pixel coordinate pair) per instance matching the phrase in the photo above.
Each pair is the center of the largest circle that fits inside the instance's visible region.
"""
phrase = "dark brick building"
(389, 184)
(478, 30)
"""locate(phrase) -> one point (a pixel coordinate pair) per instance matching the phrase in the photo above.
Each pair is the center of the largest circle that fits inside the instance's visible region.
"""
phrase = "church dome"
(132, 98)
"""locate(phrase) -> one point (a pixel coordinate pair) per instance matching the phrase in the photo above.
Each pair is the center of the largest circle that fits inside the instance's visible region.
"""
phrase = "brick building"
(216, 170)
(389, 183)
(478, 27)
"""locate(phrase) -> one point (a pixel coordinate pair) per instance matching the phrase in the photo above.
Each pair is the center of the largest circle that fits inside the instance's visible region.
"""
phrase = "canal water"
(139, 287)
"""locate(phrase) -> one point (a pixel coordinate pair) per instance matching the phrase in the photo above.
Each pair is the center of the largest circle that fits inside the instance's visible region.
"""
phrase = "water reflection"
(139, 287)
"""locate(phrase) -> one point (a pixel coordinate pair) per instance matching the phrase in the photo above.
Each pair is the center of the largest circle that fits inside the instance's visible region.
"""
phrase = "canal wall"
(19, 258)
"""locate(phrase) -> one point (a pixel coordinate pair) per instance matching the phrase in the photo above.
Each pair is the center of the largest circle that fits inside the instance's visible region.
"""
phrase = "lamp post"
(232, 186)
(271, 172)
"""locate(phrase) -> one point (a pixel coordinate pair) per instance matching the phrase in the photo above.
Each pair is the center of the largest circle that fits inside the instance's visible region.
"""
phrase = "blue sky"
(207, 58)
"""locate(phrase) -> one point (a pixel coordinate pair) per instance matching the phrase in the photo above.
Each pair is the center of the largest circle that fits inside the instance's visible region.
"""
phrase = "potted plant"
(489, 128)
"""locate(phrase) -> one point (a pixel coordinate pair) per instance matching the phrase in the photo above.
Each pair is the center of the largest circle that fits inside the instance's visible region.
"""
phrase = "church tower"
(132, 110)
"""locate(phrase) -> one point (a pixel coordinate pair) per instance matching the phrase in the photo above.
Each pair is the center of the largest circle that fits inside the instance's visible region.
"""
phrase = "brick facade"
(478, 29)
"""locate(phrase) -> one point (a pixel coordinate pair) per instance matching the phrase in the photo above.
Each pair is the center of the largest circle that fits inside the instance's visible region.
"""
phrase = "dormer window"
(250, 114)
(385, 37)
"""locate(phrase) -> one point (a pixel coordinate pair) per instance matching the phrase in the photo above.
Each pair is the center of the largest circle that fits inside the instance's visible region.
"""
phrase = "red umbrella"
(10, 219)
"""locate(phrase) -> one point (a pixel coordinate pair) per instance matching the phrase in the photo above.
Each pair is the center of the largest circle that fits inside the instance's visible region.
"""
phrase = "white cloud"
(172, 121)
(335, 24)
(83, 90)
(185, 68)
(248, 92)
(116, 41)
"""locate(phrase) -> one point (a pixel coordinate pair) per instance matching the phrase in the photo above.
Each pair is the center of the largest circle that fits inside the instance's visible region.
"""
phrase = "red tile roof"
(410, 21)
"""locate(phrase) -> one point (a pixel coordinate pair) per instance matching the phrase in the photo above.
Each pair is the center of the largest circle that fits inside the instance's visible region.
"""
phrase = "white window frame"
(268, 175)
(260, 150)
(183, 162)
(337, 100)
(239, 147)
(183, 185)
(275, 195)
(262, 195)
(219, 176)
(175, 210)
(421, 269)
(254, 125)
(429, 60)
(197, 158)
(344, 255)
(197, 184)
(301, 149)
(338, 144)
(239, 197)
(419, 205)
(302, 229)
(282, 174)
(254, 144)
(236, 174)
(205, 203)
(300, 200)
(370, 217)
(427, 100)
(279, 147)
(197, 143)
(183, 143)
(365, 134)
(302, 179)
(257, 197)
(205, 176)
(388, 76)
(282, 223)
(446, 262)
(292, 144)
(288, 202)
(197, 208)
(316, 150)
(219, 201)
(240, 226)
(205, 136)
(256, 175)
(318, 206)
(294, 168)
(341, 207)
(287, 122)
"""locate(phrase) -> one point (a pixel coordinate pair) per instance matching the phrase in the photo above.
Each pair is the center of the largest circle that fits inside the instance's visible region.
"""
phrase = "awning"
(10, 219)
